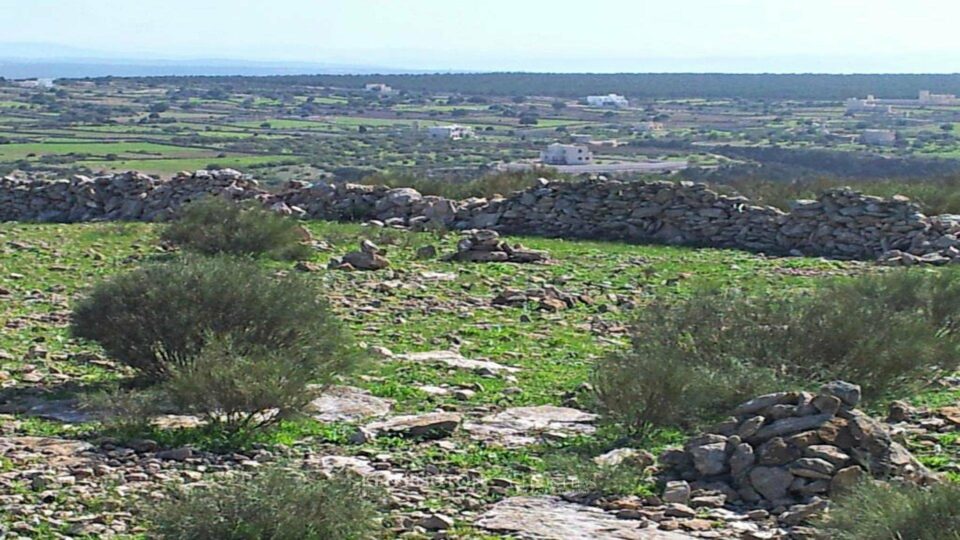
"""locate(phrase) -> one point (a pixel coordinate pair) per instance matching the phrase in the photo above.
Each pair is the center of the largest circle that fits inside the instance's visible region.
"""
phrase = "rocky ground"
(478, 380)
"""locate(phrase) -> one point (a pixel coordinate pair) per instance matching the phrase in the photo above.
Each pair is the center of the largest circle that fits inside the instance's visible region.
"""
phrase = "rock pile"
(839, 223)
(369, 257)
(485, 246)
(547, 298)
(785, 451)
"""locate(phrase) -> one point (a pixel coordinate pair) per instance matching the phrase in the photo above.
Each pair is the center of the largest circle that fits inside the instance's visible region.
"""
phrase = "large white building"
(609, 100)
(566, 154)
(451, 132)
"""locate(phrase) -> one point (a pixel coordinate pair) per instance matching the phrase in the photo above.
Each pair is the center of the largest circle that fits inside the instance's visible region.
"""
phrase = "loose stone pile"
(840, 223)
(369, 257)
(547, 298)
(485, 246)
(784, 451)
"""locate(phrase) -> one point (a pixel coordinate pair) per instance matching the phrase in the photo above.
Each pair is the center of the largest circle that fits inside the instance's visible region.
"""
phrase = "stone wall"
(840, 223)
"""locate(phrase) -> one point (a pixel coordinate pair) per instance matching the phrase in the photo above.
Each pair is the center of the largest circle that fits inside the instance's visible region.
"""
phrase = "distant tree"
(559, 105)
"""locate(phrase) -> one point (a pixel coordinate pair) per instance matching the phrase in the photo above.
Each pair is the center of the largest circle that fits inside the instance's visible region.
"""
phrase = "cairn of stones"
(839, 223)
(368, 257)
(485, 245)
(789, 451)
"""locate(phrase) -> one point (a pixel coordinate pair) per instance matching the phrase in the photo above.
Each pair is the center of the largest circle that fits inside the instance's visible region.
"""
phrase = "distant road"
(624, 166)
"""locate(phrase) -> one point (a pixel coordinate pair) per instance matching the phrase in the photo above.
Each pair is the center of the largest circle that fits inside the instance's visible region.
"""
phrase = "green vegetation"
(880, 511)
(157, 318)
(893, 334)
(275, 504)
(213, 226)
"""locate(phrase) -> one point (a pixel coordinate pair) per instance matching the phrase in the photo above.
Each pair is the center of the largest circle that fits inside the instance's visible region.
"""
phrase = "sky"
(501, 35)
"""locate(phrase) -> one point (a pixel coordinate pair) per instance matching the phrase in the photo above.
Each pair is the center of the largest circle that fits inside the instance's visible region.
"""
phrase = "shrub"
(158, 317)
(892, 334)
(275, 504)
(880, 511)
(675, 373)
(582, 475)
(213, 225)
(239, 388)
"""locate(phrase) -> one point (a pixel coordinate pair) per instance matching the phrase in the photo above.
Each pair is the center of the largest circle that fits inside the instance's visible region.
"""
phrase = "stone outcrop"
(485, 246)
(789, 450)
(840, 223)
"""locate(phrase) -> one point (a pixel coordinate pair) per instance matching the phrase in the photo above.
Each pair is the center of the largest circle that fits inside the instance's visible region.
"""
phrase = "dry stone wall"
(840, 223)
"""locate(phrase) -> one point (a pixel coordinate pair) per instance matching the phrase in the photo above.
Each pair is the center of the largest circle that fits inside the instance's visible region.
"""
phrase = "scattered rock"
(484, 245)
(418, 426)
(550, 518)
(347, 404)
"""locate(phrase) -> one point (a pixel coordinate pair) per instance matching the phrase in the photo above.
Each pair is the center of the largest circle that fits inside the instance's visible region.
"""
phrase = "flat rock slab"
(551, 518)
(417, 426)
(68, 411)
(359, 466)
(48, 450)
(520, 426)
(347, 404)
(455, 360)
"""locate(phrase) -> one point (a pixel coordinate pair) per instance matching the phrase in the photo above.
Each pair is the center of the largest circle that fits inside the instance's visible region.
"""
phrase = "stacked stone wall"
(839, 223)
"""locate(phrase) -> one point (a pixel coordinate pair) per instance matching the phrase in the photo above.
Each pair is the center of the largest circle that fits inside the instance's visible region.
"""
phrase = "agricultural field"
(305, 132)
(79, 479)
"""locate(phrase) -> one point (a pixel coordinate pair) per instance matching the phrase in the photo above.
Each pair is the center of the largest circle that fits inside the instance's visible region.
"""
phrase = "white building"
(879, 137)
(566, 154)
(609, 100)
(379, 88)
(870, 104)
(928, 98)
(451, 132)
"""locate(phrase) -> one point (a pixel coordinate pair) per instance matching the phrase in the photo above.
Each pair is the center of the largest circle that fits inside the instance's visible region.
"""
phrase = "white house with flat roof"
(609, 100)
(451, 132)
(566, 154)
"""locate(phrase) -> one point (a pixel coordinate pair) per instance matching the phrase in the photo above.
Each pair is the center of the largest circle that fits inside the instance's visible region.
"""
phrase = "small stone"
(436, 522)
(176, 454)
(679, 510)
(677, 491)
(771, 482)
(848, 393)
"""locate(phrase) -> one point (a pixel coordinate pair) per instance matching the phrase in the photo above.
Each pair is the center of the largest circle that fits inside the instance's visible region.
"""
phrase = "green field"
(406, 310)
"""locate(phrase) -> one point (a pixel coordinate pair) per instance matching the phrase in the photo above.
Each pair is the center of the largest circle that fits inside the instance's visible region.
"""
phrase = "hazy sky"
(561, 35)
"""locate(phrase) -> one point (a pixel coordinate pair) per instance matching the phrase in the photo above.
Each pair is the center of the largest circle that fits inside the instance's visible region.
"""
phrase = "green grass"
(401, 310)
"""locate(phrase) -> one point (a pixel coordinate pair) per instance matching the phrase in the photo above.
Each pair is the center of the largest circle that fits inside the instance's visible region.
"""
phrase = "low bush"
(244, 388)
(157, 318)
(575, 473)
(892, 333)
(213, 226)
(275, 504)
(684, 364)
(879, 511)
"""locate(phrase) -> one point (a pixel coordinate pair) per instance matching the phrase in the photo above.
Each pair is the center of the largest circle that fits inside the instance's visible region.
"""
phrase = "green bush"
(878, 511)
(213, 226)
(892, 333)
(680, 367)
(158, 317)
(240, 388)
(275, 504)
(580, 474)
